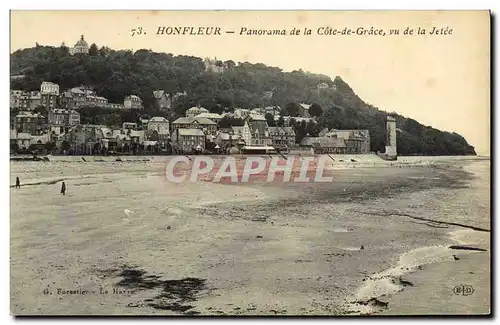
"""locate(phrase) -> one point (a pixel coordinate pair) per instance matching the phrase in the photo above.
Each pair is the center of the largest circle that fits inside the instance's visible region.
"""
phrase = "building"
(304, 110)
(63, 117)
(162, 99)
(78, 97)
(188, 140)
(241, 135)
(241, 113)
(273, 110)
(129, 126)
(179, 95)
(114, 106)
(214, 65)
(35, 100)
(196, 110)
(357, 141)
(160, 125)
(19, 100)
(282, 137)
(339, 142)
(259, 132)
(322, 86)
(81, 47)
(28, 122)
(49, 101)
(287, 119)
(49, 88)
(20, 139)
(325, 145)
(132, 102)
(211, 116)
(224, 139)
(209, 127)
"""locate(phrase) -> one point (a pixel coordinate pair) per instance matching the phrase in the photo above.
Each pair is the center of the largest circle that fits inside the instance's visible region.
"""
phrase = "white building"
(132, 102)
(160, 125)
(241, 113)
(196, 110)
(81, 47)
(49, 88)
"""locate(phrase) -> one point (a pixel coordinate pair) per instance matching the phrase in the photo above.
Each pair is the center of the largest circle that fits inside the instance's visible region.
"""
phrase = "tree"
(312, 128)
(14, 146)
(293, 109)
(315, 110)
(65, 146)
(116, 74)
(270, 119)
(93, 50)
(49, 146)
(154, 136)
(281, 121)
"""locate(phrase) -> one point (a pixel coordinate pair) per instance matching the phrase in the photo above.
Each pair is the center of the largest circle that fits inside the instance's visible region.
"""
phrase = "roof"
(281, 130)
(238, 129)
(76, 90)
(81, 42)
(259, 127)
(209, 115)
(28, 114)
(49, 83)
(224, 136)
(158, 119)
(257, 148)
(192, 132)
(135, 133)
(348, 134)
(305, 106)
(60, 111)
(189, 120)
(23, 136)
(323, 142)
(257, 117)
(158, 93)
(195, 108)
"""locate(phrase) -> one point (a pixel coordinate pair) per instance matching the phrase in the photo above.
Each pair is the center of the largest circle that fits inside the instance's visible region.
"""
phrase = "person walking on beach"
(63, 188)
(18, 183)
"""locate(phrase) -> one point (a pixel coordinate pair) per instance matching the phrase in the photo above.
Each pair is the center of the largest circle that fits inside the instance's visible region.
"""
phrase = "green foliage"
(292, 109)
(49, 146)
(270, 119)
(281, 121)
(116, 74)
(315, 110)
(228, 121)
(65, 145)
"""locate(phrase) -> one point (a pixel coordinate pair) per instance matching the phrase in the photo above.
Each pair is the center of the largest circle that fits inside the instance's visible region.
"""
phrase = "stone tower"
(390, 144)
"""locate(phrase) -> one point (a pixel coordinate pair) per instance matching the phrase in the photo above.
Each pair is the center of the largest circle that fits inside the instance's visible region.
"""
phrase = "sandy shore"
(138, 244)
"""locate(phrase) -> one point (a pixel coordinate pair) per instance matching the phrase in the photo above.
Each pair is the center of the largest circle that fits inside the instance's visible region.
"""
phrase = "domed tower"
(81, 47)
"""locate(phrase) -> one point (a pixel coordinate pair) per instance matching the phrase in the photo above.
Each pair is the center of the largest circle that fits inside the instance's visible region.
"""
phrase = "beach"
(126, 241)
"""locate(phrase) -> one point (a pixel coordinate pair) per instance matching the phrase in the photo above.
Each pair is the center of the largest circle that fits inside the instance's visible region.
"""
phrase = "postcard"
(236, 163)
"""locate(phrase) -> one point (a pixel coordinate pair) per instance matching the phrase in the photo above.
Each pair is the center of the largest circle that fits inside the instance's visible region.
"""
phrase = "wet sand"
(141, 245)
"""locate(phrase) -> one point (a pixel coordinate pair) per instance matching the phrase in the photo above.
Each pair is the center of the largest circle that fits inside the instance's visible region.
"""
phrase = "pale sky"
(439, 80)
